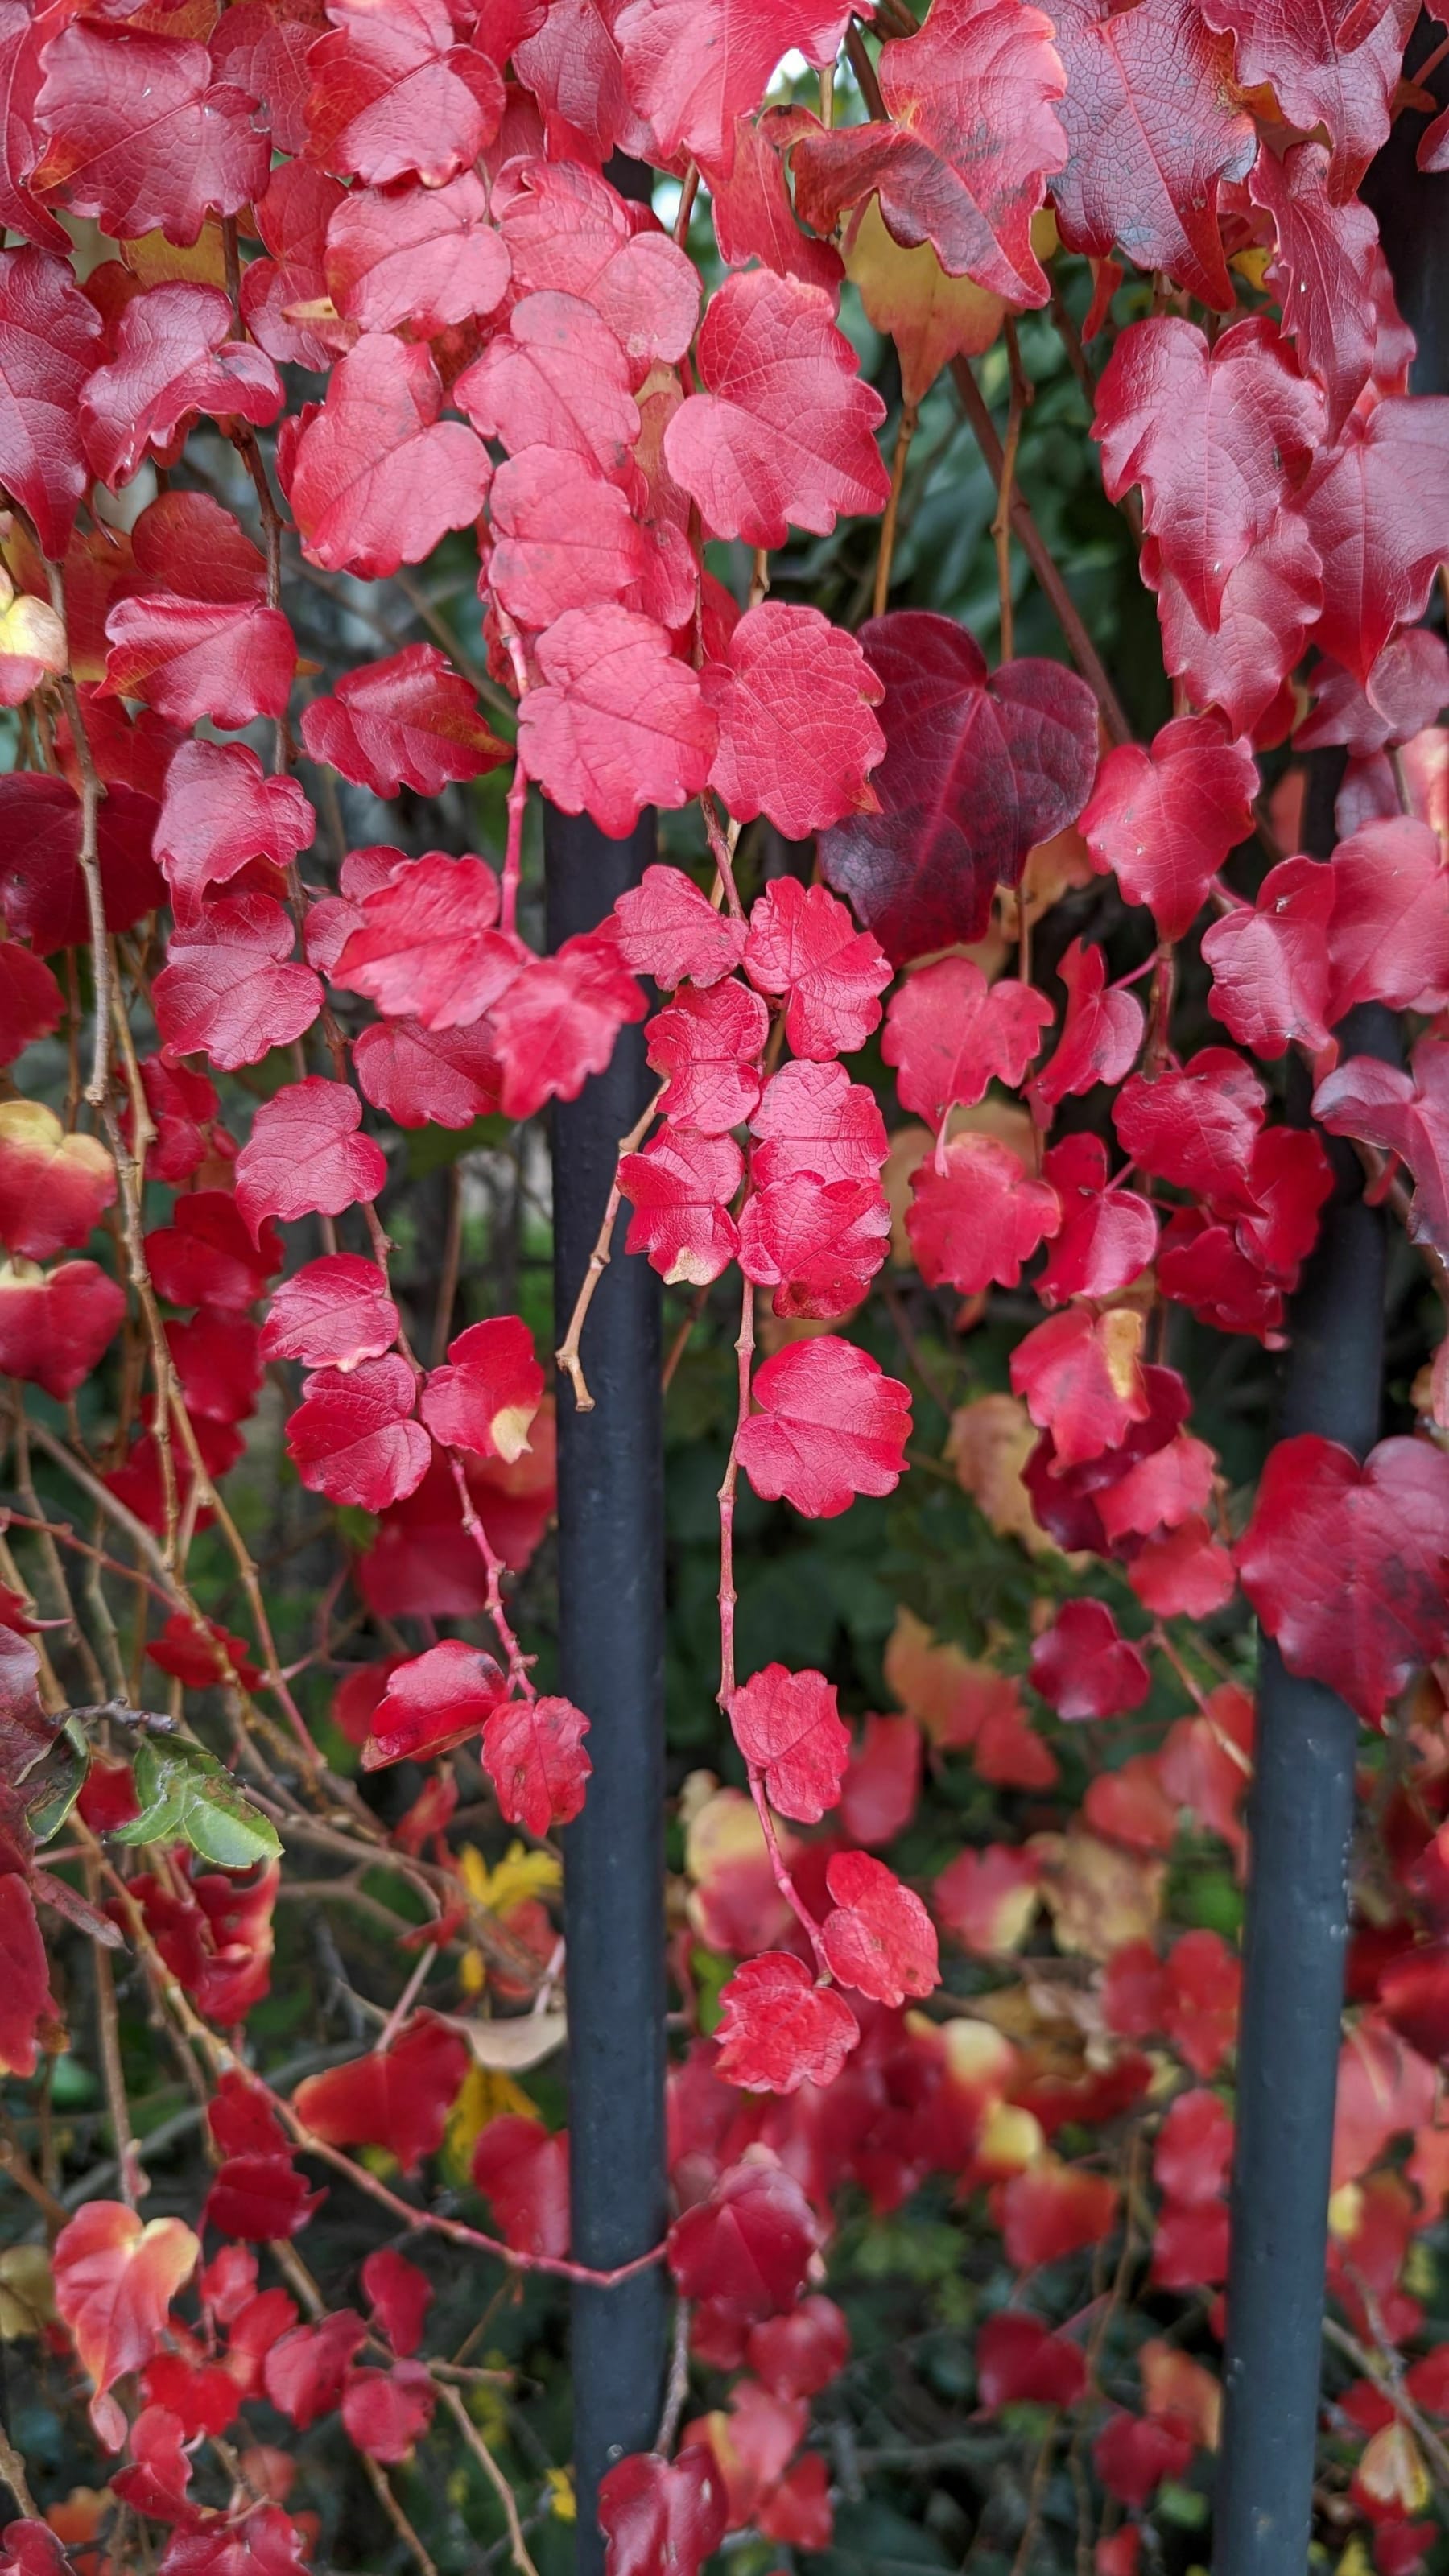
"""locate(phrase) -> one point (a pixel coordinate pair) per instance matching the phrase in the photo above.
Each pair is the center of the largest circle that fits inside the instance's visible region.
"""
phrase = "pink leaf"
(778, 2029)
(305, 1154)
(831, 1425)
(353, 1436)
(533, 1752)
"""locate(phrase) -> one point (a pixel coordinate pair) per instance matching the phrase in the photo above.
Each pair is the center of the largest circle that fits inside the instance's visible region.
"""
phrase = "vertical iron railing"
(611, 1648)
(1301, 1807)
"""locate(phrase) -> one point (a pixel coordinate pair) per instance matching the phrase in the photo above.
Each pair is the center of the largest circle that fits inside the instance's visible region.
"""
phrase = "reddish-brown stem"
(567, 1354)
(780, 1872)
(687, 196)
(905, 432)
(728, 1596)
(518, 1663)
(865, 72)
(513, 851)
(1006, 487)
(1038, 554)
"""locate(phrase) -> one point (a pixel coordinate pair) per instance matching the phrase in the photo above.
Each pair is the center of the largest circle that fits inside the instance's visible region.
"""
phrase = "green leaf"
(53, 1784)
(185, 1791)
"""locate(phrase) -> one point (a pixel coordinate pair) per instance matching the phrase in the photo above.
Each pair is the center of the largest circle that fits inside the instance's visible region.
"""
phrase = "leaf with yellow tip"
(486, 2095)
(32, 642)
(931, 317)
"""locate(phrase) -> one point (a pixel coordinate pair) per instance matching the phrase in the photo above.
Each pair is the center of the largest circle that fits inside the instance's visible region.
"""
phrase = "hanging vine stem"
(518, 2546)
(1021, 394)
(905, 432)
(518, 1663)
(567, 1354)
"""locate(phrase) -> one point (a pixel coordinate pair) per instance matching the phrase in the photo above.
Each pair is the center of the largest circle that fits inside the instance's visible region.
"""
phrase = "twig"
(865, 72)
(678, 2388)
(452, 1263)
(728, 1595)
(1006, 487)
(905, 432)
(12, 2475)
(132, 2181)
(567, 1354)
(687, 195)
(518, 1663)
(382, 2488)
(1038, 554)
(491, 2470)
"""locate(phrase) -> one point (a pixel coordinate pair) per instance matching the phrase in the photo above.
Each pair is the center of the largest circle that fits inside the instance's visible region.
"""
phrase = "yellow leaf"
(562, 2502)
(159, 262)
(1099, 1895)
(520, 1874)
(486, 2095)
(989, 1443)
(27, 2291)
(931, 317)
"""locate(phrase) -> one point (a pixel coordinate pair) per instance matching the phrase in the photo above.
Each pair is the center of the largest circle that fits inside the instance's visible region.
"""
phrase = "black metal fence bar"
(611, 1623)
(1300, 1816)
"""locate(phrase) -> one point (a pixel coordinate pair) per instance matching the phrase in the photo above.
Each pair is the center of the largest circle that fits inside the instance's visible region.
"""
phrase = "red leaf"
(818, 1244)
(218, 813)
(399, 2296)
(669, 930)
(183, 1106)
(1322, 272)
(962, 164)
(304, 1154)
(191, 658)
(260, 2198)
(986, 1899)
(814, 1120)
(1401, 697)
(789, 1729)
(1270, 962)
(174, 356)
(618, 722)
(25, 1982)
(30, 1000)
(1345, 1564)
(1164, 820)
(353, 1437)
(427, 945)
(50, 339)
(1183, 1573)
(437, 1701)
(1318, 72)
(1084, 1668)
(1194, 2150)
(567, 231)
(1195, 1125)
(977, 770)
(1082, 1382)
(1405, 1114)
(1377, 510)
(387, 2412)
(115, 2280)
(799, 2354)
(680, 1187)
(1388, 932)
(662, 2517)
(563, 537)
(803, 943)
(1053, 2209)
(748, 2244)
(201, 1656)
(975, 1216)
(708, 1043)
(486, 1397)
(754, 217)
(423, 1077)
(305, 2369)
(54, 1187)
(831, 1425)
(136, 132)
(426, 256)
(1269, 602)
(879, 1938)
(1152, 127)
(227, 990)
(1102, 1031)
(793, 698)
(1108, 1236)
(1133, 2454)
(394, 97)
(690, 81)
(533, 1752)
(883, 1781)
(398, 2098)
(292, 220)
(523, 2168)
(556, 378)
(778, 2030)
(376, 479)
(207, 1257)
(42, 892)
(557, 1023)
(331, 1314)
(1019, 2361)
(949, 1034)
(1218, 439)
(54, 1330)
(783, 433)
(574, 68)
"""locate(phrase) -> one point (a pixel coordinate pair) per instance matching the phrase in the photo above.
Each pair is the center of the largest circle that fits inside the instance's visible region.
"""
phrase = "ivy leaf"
(186, 1793)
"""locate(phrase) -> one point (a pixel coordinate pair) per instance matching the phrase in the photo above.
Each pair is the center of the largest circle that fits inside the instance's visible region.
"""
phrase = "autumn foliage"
(377, 462)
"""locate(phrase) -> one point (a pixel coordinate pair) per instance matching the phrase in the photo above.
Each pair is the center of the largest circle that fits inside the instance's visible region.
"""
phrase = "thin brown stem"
(518, 2546)
(1038, 554)
(567, 1354)
(865, 72)
(1006, 487)
(905, 432)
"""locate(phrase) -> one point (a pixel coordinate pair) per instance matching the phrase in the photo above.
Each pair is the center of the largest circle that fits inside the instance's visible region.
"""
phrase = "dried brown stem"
(1006, 487)
(567, 1354)
(518, 2546)
(905, 432)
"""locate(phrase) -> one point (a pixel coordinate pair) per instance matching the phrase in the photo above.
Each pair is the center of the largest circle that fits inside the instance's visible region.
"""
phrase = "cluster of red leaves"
(410, 201)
